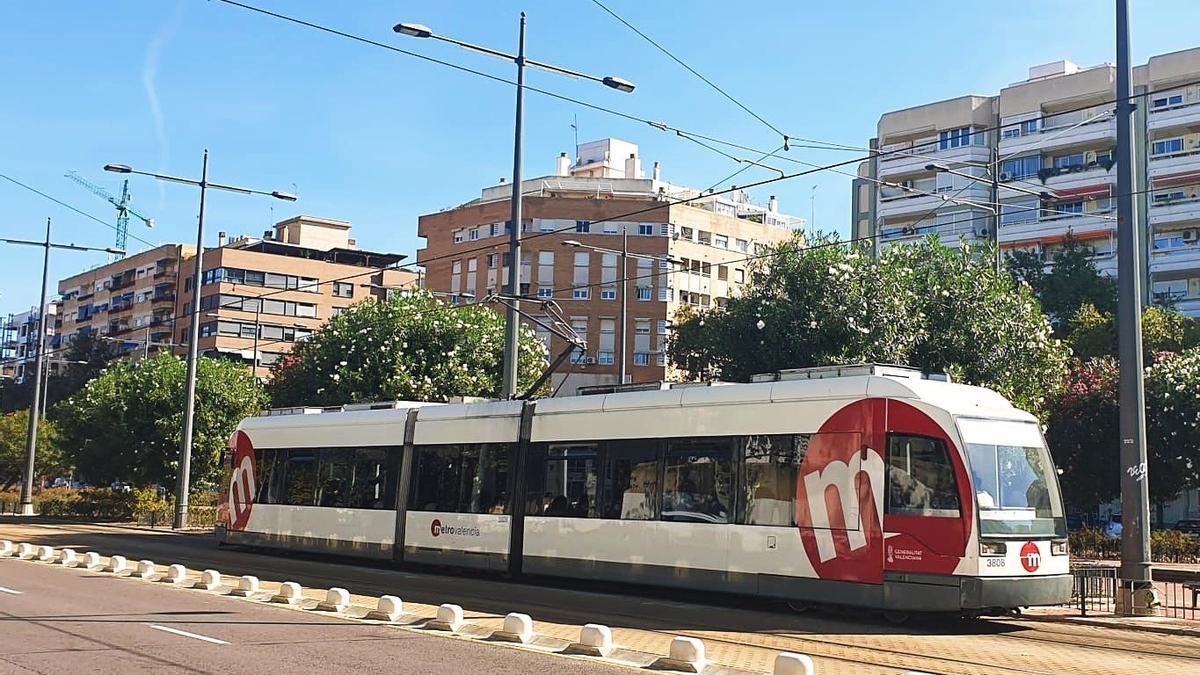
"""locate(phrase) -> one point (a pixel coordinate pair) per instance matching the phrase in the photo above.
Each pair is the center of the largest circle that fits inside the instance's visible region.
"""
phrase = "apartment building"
(1052, 159)
(309, 267)
(574, 223)
(19, 343)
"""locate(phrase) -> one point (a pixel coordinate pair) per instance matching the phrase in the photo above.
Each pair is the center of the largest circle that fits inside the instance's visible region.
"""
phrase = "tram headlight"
(992, 547)
(1059, 547)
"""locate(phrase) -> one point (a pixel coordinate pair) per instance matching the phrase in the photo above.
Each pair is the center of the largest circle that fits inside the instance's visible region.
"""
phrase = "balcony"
(165, 273)
(1188, 307)
(168, 296)
(1176, 116)
(1175, 163)
(1050, 138)
(1186, 258)
(1173, 212)
(916, 203)
(1057, 225)
(901, 163)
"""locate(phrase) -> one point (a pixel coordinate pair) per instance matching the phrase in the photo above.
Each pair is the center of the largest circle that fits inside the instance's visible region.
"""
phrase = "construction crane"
(122, 205)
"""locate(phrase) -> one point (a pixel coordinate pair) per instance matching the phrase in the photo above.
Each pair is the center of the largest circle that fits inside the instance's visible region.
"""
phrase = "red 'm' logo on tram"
(435, 528)
(1031, 557)
(241, 481)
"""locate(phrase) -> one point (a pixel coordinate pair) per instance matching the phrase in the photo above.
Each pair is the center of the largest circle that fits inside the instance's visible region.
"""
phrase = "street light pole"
(1137, 592)
(257, 330)
(624, 302)
(39, 363)
(512, 325)
(189, 410)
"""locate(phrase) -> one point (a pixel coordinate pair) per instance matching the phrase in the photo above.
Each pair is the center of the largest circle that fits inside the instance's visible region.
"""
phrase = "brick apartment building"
(680, 255)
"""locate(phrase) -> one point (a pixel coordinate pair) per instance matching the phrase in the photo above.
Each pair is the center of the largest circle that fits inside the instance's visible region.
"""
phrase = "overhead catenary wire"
(63, 204)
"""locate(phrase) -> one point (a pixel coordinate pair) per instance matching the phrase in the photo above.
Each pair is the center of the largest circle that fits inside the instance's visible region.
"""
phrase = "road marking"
(9, 591)
(184, 633)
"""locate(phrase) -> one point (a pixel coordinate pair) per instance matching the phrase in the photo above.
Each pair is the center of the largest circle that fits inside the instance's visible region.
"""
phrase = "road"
(742, 634)
(55, 620)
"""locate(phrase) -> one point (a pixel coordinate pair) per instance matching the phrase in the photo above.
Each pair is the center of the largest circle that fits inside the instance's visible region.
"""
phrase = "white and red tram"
(869, 486)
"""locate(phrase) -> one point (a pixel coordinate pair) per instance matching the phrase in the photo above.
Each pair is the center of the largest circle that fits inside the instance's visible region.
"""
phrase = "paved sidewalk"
(1150, 624)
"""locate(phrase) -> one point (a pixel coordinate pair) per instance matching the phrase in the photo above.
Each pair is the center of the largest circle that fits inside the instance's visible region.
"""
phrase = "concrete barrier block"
(145, 569)
(686, 655)
(91, 561)
(787, 663)
(336, 600)
(6, 548)
(210, 580)
(117, 564)
(449, 617)
(68, 558)
(176, 574)
(290, 593)
(46, 554)
(517, 628)
(247, 586)
(389, 608)
(25, 551)
(594, 640)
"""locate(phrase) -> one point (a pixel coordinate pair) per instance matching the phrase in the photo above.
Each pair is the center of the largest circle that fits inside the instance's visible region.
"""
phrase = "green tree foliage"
(411, 347)
(86, 357)
(1093, 334)
(127, 424)
(1083, 428)
(926, 305)
(1071, 282)
(14, 429)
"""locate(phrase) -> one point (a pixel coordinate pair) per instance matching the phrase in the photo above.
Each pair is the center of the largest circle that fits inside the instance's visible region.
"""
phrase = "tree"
(127, 424)
(14, 430)
(411, 347)
(1093, 333)
(1071, 283)
(925, 305)
(86, 357)
(1083, 428)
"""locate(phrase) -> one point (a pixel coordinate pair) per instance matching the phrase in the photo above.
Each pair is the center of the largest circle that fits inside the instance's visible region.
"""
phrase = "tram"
(869, 486)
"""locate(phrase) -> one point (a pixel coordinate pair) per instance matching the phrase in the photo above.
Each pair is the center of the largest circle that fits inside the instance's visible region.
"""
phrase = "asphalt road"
(57, 620)
(738, 632)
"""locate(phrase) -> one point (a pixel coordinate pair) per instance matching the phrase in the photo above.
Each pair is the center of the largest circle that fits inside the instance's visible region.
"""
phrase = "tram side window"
(461, 478)
(920, 478)
(698, 481)
(562, 481)
(630, 480)
(269, 475)
(299, 478)
(771, 465)
(353, 478)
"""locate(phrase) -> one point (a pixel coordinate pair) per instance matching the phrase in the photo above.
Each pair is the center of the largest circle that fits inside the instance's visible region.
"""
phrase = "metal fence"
(1096, 587)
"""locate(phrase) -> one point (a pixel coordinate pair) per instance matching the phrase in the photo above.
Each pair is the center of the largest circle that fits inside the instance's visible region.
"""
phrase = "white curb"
(788, 663)
(91, 561)
(594, 640)
(290, 593)
(68, 558)
(686, 655)
(176, 574)
(6, 548)
(117, 564)
(210, 580)
(145, 569)
(46, 553)
(25, 551)
(389, 609)
(336, 600)
(449, 617)
(517, 628)
(247, 586)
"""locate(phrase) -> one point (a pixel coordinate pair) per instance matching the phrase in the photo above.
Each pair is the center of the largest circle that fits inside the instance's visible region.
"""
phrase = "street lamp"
(991, 173)
(40, 362)
(189, 410)
(512, 318)
(624, 267)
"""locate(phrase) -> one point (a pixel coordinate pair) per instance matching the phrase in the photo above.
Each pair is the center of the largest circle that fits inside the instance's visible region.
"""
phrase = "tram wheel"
(897, 618)
(798, 607)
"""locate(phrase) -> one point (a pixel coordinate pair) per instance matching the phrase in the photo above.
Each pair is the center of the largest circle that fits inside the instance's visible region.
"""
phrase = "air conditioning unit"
(590, 360)
(1189, 235)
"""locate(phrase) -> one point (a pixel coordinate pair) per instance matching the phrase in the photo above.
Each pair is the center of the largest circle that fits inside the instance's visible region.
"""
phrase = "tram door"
(923, 519)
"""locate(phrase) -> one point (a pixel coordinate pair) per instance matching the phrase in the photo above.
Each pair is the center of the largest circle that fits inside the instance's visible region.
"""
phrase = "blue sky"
(378, 138)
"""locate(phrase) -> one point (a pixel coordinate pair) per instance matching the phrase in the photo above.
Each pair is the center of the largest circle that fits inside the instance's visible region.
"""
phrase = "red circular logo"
(1031, 557)
(241, 481)
(435, 528)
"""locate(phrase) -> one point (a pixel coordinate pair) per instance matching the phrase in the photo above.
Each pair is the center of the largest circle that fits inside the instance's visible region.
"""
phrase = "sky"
(378, 138)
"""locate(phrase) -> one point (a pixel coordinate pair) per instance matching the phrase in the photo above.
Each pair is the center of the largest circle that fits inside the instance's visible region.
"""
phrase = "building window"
(1169, 146)
(662, 326)
(611, 227)
(1069, 207)
(458, 236)
(644, 293)
(608, 294)
(491, 261)
(581, 294)
(664, 229)
(641, 359)
(342, 289)
(1020, 168)
(641, 326)
(473, 234)
(742, 245)
(578, 357)
(663, 293)
(1019, 212)
(583, 226)
(660, 359)
(722, 273)
(1168, 101)
(1068, 161)
(645, 229)
(604, 358)
(545, 291)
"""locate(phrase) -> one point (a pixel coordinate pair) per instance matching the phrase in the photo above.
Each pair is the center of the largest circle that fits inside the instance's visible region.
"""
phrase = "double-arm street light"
(624, 267)
(189, 410)
(512, 318)
(40, 362)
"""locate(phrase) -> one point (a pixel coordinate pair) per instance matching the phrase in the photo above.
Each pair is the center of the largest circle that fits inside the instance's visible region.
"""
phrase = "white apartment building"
(19, 343)
(1053, 159)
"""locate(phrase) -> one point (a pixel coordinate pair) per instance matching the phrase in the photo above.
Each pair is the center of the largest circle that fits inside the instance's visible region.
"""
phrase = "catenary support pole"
(39, 364)
(512, 323)
(1135, 504)
(189, 405)
(624, 354)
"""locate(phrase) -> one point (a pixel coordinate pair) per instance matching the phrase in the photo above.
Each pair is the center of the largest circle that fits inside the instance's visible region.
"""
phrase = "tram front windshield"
(1013, 477)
